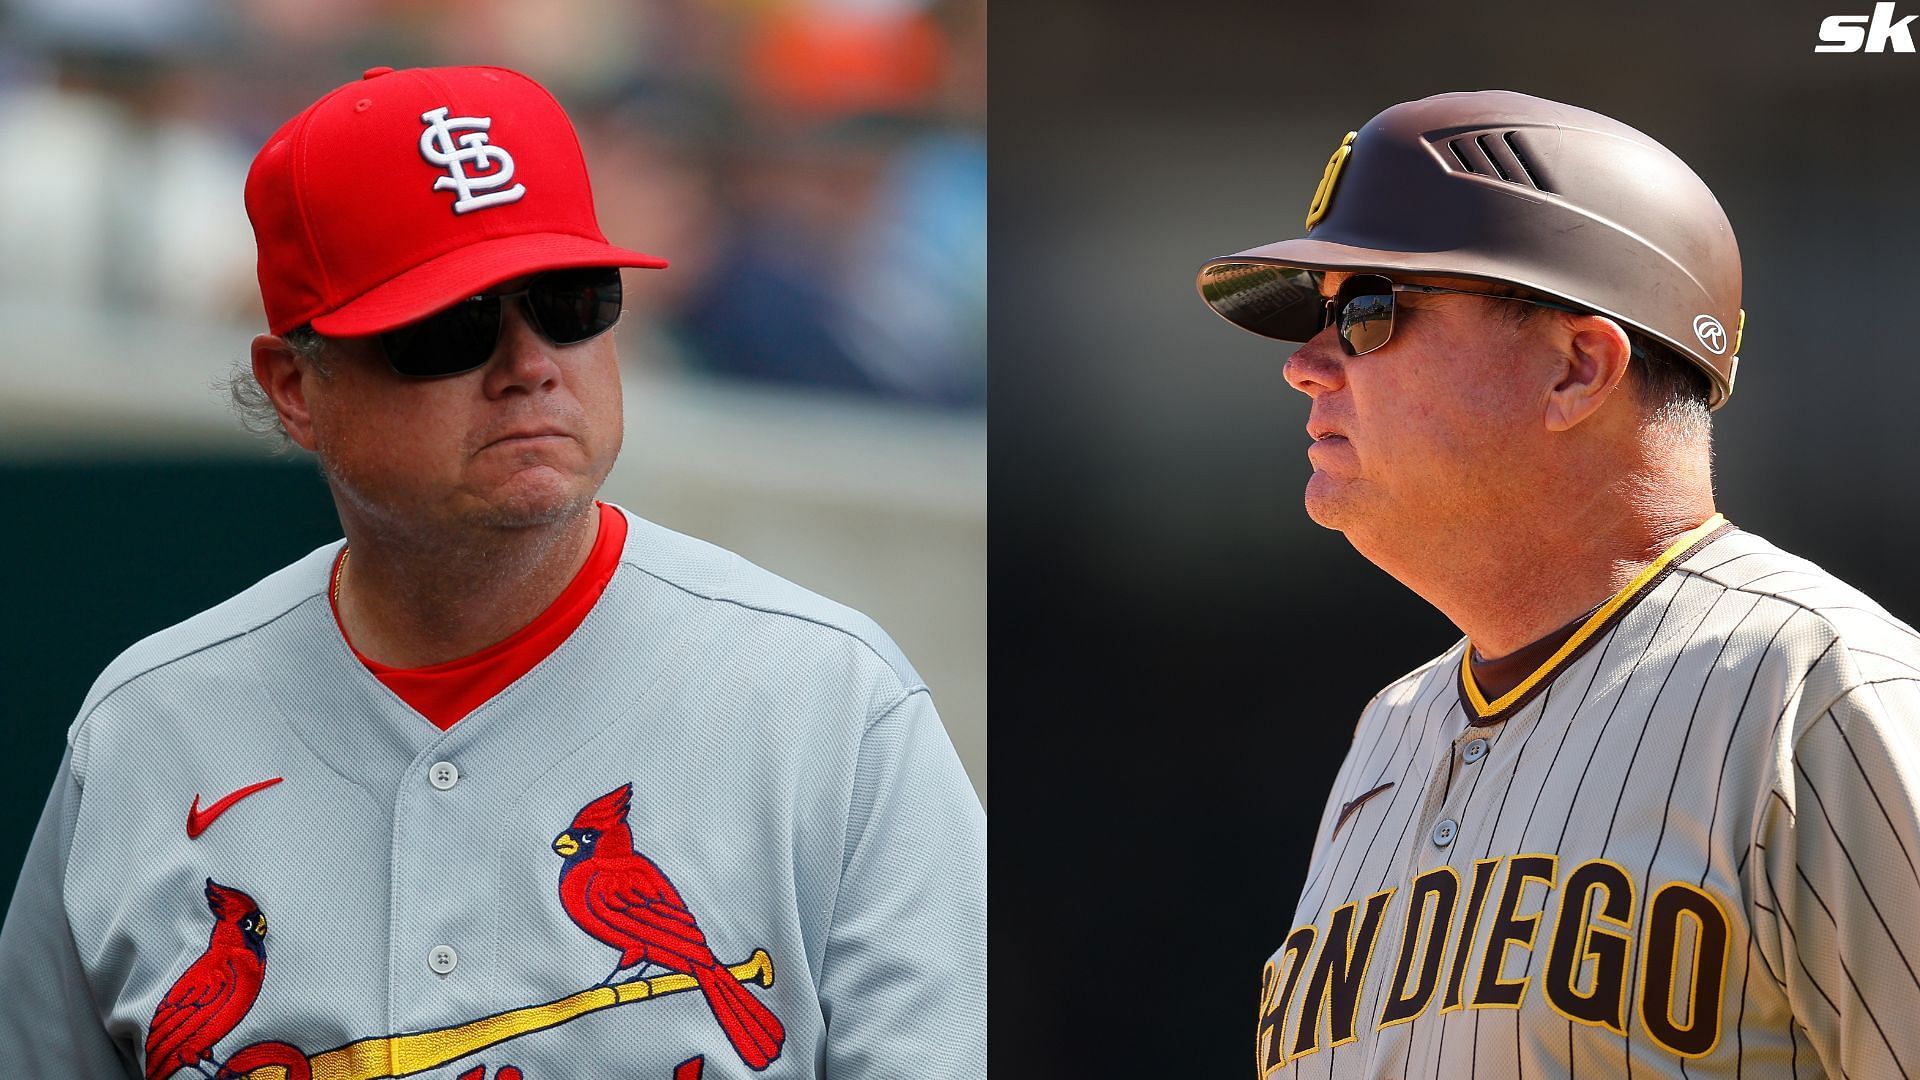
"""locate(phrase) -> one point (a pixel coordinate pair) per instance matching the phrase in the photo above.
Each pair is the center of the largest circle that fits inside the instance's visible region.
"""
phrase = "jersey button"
(442, 959)
(443, 775)
(1444, 832)
(1473, 751)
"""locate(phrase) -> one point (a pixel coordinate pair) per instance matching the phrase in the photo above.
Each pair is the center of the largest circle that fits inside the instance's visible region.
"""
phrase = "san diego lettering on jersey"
(1309, 994)
(1681, 842)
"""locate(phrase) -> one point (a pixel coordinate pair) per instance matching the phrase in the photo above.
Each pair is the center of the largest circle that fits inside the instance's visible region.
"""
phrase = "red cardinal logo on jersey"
(260, 1055)
(622, 899)
(215, 991)
(479, 1072)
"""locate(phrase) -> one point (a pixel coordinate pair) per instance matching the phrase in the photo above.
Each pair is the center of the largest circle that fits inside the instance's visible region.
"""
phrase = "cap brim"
(1252, 290)
(463, 272)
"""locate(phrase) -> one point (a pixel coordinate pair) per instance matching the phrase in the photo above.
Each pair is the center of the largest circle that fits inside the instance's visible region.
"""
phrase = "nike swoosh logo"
(198, 819)
(1347, 810)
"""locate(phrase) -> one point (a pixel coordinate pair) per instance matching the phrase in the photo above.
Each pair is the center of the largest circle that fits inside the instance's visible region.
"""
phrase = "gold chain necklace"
(340, 572)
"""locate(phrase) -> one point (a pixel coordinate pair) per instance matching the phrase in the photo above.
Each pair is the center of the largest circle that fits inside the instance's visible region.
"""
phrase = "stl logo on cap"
(437, 145)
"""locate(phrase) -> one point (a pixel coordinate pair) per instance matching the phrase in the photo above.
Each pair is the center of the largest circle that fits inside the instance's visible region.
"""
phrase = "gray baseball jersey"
(736, 791)
(1684, 845)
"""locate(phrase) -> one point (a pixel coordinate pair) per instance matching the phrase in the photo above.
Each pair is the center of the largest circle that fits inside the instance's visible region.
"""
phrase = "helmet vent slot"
(1468, 161)
(1497, 155)
(1525, 173)
(1492, 158)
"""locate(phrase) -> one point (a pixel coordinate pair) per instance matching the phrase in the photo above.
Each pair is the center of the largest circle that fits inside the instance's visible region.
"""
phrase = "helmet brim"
(1272, 290)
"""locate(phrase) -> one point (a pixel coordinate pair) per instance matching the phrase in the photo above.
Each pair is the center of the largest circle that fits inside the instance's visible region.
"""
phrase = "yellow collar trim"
(1484, 708)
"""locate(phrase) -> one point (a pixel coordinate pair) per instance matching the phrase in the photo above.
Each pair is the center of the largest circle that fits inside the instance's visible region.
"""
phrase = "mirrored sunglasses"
(1362, 309)
(1285, 302)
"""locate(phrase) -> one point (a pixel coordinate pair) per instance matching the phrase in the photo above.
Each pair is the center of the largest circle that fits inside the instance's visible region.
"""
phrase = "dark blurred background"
(1179, 654)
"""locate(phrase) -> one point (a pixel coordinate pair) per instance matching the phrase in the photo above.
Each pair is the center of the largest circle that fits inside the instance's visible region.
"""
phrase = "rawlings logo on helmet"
(1713, 336)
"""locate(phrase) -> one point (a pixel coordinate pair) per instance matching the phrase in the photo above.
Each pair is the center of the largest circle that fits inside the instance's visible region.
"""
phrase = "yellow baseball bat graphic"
(387, 1056)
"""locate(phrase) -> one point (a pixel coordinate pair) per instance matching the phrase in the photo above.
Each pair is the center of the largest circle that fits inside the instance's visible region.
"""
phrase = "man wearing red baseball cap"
(527, 784)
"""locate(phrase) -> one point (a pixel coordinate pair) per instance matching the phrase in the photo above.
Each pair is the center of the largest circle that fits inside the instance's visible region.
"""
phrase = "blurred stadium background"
(806, 385)
(1179, 652)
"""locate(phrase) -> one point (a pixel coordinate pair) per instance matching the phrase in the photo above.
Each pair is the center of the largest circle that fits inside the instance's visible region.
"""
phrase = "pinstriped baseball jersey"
(1685, 845)
(734, 790)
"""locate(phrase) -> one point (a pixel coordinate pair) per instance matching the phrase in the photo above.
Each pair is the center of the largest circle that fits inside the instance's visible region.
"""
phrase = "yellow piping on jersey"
(1483, 708)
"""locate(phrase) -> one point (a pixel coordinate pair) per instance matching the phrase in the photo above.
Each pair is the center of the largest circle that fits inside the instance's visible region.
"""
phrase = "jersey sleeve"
(903, 984)
(49, 1025)
(1342, 781)
(1837, 895)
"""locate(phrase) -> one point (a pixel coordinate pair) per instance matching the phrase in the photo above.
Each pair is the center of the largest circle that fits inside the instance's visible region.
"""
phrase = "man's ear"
(1596, 351)
(283, 377)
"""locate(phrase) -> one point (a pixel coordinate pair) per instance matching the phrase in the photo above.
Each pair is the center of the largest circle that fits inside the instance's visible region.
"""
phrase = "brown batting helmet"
(1509, 188)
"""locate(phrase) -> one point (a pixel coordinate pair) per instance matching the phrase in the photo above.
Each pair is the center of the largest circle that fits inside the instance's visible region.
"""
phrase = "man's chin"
(530, 502)
(1329, 502)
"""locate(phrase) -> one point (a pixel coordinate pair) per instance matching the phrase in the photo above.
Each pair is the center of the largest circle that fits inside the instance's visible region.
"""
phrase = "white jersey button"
(442, 959)
(443, 775)
(1473, 751)
(1444, 832)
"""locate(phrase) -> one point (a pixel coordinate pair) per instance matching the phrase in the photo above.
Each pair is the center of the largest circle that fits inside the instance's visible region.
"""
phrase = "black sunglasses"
(1362, 308)
(565, 306)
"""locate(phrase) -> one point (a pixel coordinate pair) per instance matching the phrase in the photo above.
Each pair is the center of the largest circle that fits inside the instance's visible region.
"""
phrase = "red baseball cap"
(408, 191)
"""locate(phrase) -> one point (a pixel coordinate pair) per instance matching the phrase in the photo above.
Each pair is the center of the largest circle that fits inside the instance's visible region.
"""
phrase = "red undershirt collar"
(448, 691)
